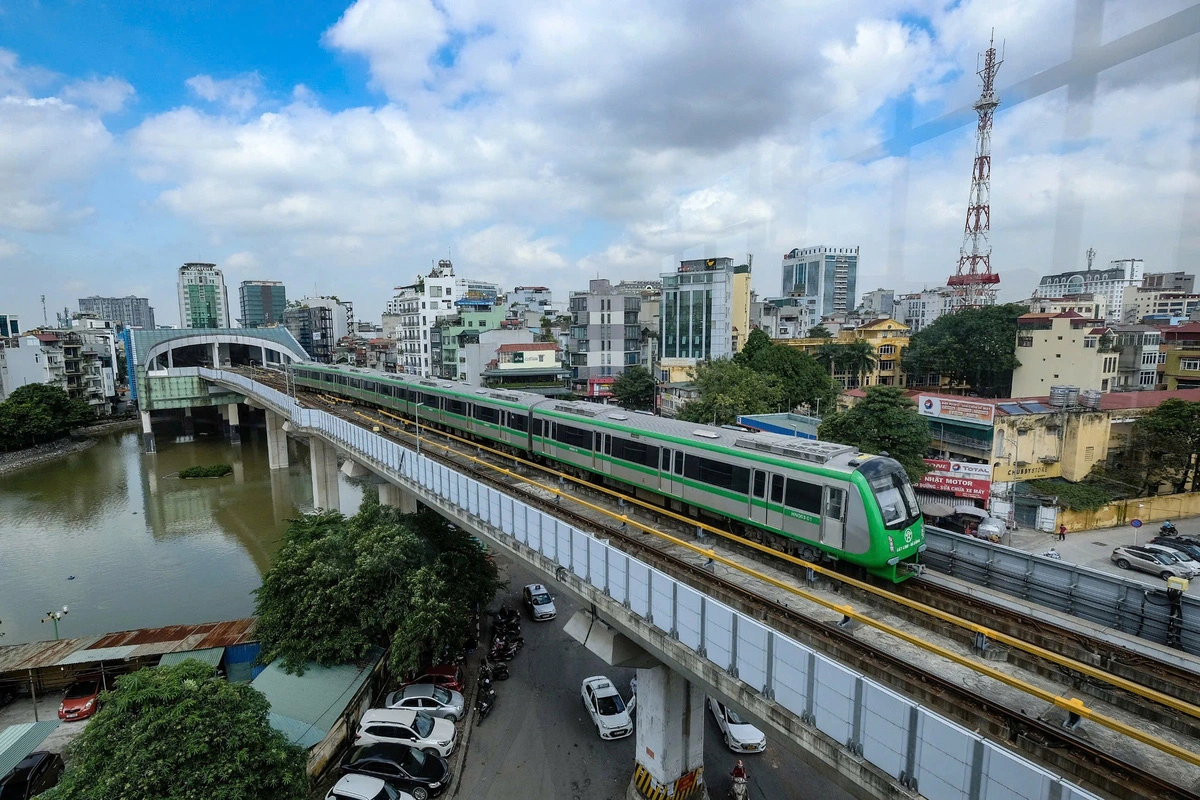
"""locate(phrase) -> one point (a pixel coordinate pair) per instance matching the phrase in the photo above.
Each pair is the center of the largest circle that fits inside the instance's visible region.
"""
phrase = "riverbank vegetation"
(181, 732)
(211, 471)
(38, 413)
(341, 586)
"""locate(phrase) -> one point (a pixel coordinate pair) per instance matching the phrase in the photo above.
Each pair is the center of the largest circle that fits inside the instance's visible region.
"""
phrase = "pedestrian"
(1062, 533)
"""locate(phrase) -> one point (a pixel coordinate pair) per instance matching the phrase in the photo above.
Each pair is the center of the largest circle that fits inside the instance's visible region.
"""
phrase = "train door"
(758, 497)
(666, 480)
(603, 448)
(833, 521)
(775, 501)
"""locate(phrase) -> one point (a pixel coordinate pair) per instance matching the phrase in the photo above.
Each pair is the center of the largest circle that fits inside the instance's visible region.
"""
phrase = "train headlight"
(892, 544)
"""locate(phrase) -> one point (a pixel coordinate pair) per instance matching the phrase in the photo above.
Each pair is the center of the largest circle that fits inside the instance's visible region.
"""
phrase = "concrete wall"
(1147, 509)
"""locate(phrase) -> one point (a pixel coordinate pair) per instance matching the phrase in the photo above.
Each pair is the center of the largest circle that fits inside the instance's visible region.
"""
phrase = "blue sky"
(340, 147)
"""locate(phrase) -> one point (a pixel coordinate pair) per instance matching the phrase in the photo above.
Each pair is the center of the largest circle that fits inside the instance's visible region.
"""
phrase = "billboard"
(959, 478)
(956, 410)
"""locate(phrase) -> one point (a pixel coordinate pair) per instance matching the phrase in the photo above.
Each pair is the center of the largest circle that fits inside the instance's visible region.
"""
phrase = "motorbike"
(484, 702)
(740, 789)
(503, 651)
(498, 672)
(1168, 529)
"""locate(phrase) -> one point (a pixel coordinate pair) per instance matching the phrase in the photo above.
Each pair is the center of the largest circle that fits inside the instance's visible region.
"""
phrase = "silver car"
(1140, 558)
(430, 698)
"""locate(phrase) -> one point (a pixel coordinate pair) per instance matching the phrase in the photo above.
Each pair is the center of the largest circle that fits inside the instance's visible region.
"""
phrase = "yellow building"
(1063, 349)
(887, 337)
(1180, 353)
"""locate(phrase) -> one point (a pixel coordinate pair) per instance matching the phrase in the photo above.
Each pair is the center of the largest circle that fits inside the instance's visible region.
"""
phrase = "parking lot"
(539, 744)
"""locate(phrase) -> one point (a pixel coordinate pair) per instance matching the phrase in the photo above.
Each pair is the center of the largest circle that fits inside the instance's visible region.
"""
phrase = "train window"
(608, 444)
(518, 421)
(537, 427)
(776, 488)
(633, 452)
(804, 496)
(341, 379)
(572, 436)
(432, 401)
(678, 462)
(485, 413)
(666, 459)
(327, 377)
(691, 468)
(368, 386)
(456, 407)
(760, 484)
(835, 502)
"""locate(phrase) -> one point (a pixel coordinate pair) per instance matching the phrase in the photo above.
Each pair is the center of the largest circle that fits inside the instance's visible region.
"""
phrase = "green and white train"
(816, 500)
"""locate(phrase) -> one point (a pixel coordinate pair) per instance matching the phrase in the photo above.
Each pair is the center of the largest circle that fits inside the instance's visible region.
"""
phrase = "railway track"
(1068, 752)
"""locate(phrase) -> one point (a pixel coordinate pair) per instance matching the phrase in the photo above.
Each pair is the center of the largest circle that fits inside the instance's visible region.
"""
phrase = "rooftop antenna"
(45, 319)
(1091, 256)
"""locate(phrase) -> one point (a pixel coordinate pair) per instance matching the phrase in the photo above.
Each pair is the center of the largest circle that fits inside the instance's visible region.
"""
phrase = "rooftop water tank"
(1090, 399)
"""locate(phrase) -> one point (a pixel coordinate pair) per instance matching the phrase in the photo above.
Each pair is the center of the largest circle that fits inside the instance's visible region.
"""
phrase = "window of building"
(887, 350)
(1104, 385)
(1189, 364)
(1089, 342)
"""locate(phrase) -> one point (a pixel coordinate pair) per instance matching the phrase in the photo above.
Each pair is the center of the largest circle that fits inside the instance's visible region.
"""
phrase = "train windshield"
(896, 498)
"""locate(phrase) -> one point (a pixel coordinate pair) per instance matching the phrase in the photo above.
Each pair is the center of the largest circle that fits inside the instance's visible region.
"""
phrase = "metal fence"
(914, 745)
(1127, 605)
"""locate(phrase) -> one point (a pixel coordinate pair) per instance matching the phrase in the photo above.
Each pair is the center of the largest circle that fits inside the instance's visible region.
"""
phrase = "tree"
(728, 389)
(1164, 447)
(883, 421)
(819, 332)
(802, 380)
(339, 587)
(547, 334)
(757, 342)
(634, 389)
(974, 346)
(39, 412)
(857, 358)
(180, 732)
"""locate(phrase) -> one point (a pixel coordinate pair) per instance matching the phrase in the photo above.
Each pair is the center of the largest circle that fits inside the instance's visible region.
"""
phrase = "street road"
(539, 744)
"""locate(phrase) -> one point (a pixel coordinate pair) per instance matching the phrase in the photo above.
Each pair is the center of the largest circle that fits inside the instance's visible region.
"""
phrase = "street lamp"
(417, 413)
(55, 616)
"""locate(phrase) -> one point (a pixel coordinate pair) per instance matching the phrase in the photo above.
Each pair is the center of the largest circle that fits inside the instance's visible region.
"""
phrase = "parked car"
(448, 676)
(416, 772)
(81, 699)
(606, 708)
(1189, 546)
(407, 726)
(1139, 558)
(539, 602)
(34, 774)
(1177, 555)
(740, 736)
(363, 787)
(430, 698)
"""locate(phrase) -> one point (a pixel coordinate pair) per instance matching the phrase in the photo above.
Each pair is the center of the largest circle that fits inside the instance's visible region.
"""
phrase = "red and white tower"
(973, 282)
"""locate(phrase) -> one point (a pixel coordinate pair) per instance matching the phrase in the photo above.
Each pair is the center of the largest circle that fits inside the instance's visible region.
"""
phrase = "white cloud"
(238, 94)
(106, 95)
(8, 249)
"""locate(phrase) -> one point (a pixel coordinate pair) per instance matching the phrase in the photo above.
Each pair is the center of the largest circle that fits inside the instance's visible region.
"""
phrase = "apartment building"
(131, 312)
(1141, 302)
(1086, 304)
(529, 367)
(9, 325)
(1139, 357)
(451, 333)
(1183, 282)
(1109, 283)
(887, 338)
(606, 333)
(705, 314)
(1064, 349)
(825, 277)
(419, 306)
(262, 303)
(919, 310)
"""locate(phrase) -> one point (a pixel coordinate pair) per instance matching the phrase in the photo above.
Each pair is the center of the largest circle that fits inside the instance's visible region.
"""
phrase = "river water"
(111, 533)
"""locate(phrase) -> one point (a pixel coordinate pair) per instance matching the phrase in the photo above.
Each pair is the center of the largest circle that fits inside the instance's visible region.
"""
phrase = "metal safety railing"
(915, 746)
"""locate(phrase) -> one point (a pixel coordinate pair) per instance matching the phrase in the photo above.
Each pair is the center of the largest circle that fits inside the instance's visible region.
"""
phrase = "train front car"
(893, 517)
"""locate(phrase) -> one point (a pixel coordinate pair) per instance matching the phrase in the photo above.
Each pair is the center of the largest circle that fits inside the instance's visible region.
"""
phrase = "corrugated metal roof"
(18, 741)
(303, 706)
(209, 655)
(95, 654)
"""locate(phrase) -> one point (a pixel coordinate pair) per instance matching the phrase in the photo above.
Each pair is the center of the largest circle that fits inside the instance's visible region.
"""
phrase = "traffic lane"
(1093, 549)
(539, 742)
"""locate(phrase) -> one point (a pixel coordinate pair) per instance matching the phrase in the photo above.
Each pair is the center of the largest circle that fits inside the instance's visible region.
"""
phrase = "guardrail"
(915, 746)
(1129, 606)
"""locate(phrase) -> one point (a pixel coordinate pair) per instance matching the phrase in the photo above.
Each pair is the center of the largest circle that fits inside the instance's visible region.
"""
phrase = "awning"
(209, 655)
(18, 741)
(971, 511)
(932, 508)
(97, 654)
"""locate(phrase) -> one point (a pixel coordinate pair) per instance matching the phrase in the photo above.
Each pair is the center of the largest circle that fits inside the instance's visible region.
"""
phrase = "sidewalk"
(1093, 548)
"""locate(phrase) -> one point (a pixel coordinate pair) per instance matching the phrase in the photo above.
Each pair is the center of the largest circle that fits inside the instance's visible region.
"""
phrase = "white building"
(343, 314)
(921, 309)
(705, 314)
(441, 293)
(1109, 283)
(474, 357)
(203, 301)
(826, 277)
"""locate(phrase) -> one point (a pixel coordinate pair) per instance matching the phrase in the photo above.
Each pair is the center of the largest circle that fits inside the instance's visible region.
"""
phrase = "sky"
(344, 147)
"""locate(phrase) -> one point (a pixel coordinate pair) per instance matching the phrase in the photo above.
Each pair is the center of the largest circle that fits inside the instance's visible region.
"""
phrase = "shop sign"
(952, 408)
(959, 478)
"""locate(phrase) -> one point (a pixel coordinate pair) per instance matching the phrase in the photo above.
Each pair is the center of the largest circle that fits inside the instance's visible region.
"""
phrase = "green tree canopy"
(1164, 447)
(757, 342)
(39, 412)
(819, 332)
(634, 389)
(340, 586)
(883, 421)
(974, 346)
(179, 733)
(728, 389)
(802, 379)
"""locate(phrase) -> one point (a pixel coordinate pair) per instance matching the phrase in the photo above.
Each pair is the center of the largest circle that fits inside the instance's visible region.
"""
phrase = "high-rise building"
(705, 314)
(9, 326)
(826, 277)
(1110, 283)
(606, 333)
(262, 303)
(131, 312)
(422, 303)
(318, 324)
(1184, 282)
(921, 309)
(203, 301)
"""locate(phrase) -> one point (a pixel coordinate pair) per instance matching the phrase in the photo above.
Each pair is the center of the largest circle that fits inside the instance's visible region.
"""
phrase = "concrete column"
(189, 424)
(216, 355)
(390, 495)
(277, 449)
(231, 416)
(323, 458)
(170, 359)
(670, 736)
(147, 434)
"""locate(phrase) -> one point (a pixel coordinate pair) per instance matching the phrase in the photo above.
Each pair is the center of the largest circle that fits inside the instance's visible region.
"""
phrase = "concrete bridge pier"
(231, 418)
(189, 423)
(323, 460)
(391, 495)
(147, 434)
(277, 450)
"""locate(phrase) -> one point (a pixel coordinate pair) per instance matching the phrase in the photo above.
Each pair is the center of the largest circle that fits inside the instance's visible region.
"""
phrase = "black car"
(36, 773)
(420, 774)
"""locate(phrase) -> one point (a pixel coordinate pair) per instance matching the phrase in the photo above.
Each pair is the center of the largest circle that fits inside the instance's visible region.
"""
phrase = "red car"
(81, 699)
(448, 676)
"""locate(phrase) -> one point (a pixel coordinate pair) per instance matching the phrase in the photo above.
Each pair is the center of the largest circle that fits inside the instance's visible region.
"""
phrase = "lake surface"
(145, 548)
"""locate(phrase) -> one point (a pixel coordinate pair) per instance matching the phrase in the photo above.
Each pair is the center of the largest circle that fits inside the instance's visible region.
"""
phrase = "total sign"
(960, 478)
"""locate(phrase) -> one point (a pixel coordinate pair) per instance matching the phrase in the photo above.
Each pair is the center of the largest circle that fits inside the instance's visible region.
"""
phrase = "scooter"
(485, 700)
(1168, 529)
(740, 789)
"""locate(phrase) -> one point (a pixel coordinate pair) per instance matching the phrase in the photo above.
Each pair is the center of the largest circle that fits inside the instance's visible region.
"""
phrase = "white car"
(1185, 559)
(740, 736)
(430, 698)
(539, 602)
(364, 787)
(606, 708)
(406, 726)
